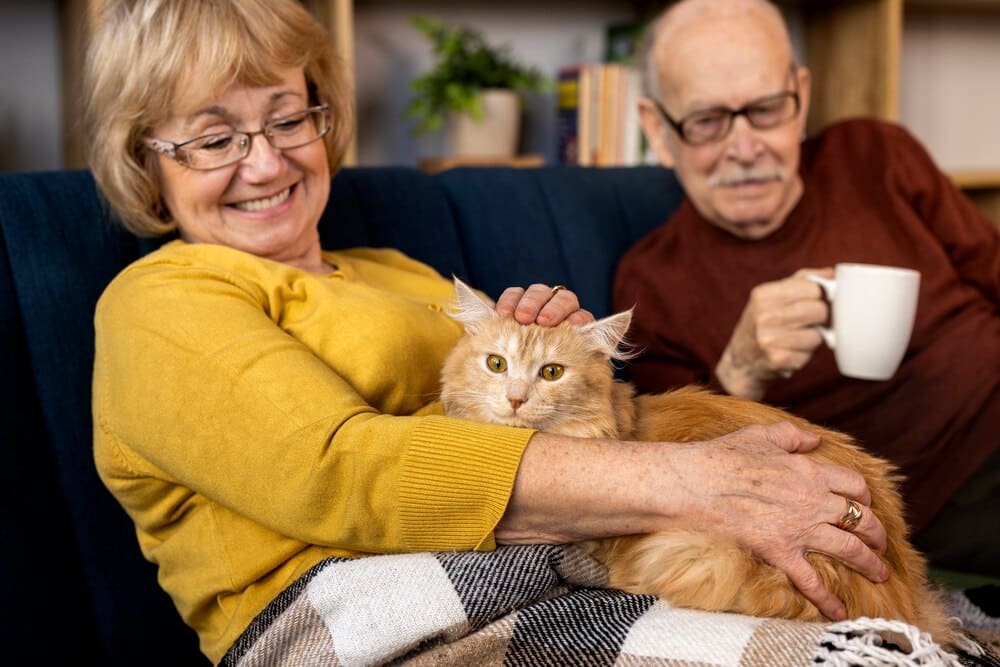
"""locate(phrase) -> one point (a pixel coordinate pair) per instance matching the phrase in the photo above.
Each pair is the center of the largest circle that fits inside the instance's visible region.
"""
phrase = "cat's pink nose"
(515, 403)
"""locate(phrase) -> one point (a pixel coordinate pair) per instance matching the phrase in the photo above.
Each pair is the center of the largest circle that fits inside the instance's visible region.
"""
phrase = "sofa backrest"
(497, 227)
(71, 561)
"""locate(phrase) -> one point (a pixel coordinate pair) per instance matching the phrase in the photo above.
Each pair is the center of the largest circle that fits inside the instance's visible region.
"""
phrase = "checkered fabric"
(541, 605)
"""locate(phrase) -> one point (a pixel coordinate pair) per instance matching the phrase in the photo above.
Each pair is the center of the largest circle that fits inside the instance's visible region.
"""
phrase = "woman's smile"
(264, 203)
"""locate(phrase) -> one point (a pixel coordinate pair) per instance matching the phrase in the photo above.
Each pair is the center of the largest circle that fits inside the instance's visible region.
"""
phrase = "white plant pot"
(495, 135)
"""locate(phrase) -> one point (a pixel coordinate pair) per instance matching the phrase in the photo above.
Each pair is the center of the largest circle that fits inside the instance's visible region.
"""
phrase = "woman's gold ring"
(852, 516)
(556, 289)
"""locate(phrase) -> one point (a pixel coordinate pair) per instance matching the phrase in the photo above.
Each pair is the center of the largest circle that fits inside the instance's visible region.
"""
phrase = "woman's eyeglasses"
(221, 149)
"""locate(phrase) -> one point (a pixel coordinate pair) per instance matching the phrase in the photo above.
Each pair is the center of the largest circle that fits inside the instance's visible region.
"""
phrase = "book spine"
(590, 102)
(633, 139)
(568, 115)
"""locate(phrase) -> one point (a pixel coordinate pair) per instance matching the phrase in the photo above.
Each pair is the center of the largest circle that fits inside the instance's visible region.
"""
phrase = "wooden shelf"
(976, 179)
(433, 165)
(853, 50)
(338, 17)
(954, 5)
(982, 187)
(75, 17)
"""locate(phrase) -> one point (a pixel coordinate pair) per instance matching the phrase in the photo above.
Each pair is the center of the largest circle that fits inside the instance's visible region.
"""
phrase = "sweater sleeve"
(971, 240)
(197, 387)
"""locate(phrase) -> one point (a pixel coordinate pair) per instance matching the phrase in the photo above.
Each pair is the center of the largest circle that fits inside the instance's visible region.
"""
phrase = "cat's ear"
(471, 308)
(608, 334)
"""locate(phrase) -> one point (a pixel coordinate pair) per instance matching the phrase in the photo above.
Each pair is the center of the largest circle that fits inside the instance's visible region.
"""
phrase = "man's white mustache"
(741, 175)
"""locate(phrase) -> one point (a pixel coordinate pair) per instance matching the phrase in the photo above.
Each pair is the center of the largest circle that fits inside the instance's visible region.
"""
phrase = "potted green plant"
(479, 88)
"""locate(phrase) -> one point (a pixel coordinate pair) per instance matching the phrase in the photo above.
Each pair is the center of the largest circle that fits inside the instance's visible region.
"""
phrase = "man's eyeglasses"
(222, 149)
(710, 125)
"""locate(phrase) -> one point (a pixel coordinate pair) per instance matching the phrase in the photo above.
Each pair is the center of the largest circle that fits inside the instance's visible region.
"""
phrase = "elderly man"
(720, 290)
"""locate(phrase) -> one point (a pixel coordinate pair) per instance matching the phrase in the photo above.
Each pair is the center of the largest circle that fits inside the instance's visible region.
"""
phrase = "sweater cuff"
(457, 477)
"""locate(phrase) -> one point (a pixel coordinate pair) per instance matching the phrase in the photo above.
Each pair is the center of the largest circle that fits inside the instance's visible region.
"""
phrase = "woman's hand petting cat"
(543, 305)
(752, 486)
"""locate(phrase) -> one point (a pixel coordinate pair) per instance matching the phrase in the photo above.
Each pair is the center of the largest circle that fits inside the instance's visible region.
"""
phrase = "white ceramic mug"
(873, 308)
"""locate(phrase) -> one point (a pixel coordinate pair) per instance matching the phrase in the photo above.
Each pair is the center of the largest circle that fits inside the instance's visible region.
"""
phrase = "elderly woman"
(258, 400)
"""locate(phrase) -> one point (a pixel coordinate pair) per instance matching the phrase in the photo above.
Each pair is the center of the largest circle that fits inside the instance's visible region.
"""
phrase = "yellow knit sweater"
(254, 419)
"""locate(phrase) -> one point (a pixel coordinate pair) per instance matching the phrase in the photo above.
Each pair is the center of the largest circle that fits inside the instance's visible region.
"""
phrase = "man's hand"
(776, 334)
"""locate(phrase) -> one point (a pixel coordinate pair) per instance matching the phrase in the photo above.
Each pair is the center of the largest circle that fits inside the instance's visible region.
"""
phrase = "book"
(567, 114)
(597, 105)
(633, 139)
(588, 103)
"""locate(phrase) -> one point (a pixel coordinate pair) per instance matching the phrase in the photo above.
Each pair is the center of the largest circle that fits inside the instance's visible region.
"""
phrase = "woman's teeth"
(261, 204)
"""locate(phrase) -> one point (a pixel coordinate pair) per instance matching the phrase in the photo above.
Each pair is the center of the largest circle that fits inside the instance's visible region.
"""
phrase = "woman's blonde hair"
(145, 55)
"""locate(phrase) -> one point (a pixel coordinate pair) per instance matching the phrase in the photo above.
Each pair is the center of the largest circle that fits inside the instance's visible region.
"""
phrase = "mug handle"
(830, 289)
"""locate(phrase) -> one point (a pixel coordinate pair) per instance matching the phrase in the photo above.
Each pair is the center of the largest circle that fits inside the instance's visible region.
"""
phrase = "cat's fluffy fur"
(688, 568)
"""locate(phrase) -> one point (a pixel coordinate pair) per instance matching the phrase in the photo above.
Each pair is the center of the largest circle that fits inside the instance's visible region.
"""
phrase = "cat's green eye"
(551, 372)
(496, 363)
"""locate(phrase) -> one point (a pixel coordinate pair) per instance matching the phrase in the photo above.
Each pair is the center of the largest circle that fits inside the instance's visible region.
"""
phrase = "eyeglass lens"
(714, 124)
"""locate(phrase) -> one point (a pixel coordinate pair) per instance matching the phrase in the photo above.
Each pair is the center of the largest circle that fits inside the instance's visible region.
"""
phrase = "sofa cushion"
(39, 557)
(62, 252)
(393, 207)
(571, 224)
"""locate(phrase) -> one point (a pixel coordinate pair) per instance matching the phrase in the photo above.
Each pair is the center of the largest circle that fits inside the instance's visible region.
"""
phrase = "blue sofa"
(75, 586)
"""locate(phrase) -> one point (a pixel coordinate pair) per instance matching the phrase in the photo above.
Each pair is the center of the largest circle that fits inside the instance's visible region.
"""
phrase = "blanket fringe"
(862, 641)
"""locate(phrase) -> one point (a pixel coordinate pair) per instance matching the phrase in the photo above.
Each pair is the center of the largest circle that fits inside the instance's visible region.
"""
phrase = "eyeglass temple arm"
(160, 146)
(663, 112)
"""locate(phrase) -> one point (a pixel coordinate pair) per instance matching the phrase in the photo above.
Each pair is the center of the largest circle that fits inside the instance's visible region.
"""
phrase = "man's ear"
(654, 126)
(804, 81)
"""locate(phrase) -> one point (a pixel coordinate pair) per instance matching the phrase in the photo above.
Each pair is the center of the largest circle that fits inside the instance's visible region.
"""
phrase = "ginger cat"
(560, 380)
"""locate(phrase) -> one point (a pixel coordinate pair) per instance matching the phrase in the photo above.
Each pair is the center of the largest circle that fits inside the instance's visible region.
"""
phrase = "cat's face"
(548, 378)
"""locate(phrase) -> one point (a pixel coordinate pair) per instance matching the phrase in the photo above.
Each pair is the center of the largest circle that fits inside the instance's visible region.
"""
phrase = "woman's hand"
(750, 484)
(776, 334)
(781, 506)
(543, 305)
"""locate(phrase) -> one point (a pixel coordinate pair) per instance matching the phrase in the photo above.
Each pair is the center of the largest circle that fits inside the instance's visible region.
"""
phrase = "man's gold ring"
(556, 289)
(852, 516)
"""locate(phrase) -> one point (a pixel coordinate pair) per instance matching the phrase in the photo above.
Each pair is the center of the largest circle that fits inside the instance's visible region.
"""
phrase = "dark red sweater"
(872, 194)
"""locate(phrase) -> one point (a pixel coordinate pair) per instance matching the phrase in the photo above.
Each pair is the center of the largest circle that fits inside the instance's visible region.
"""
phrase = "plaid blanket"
(544, 605)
